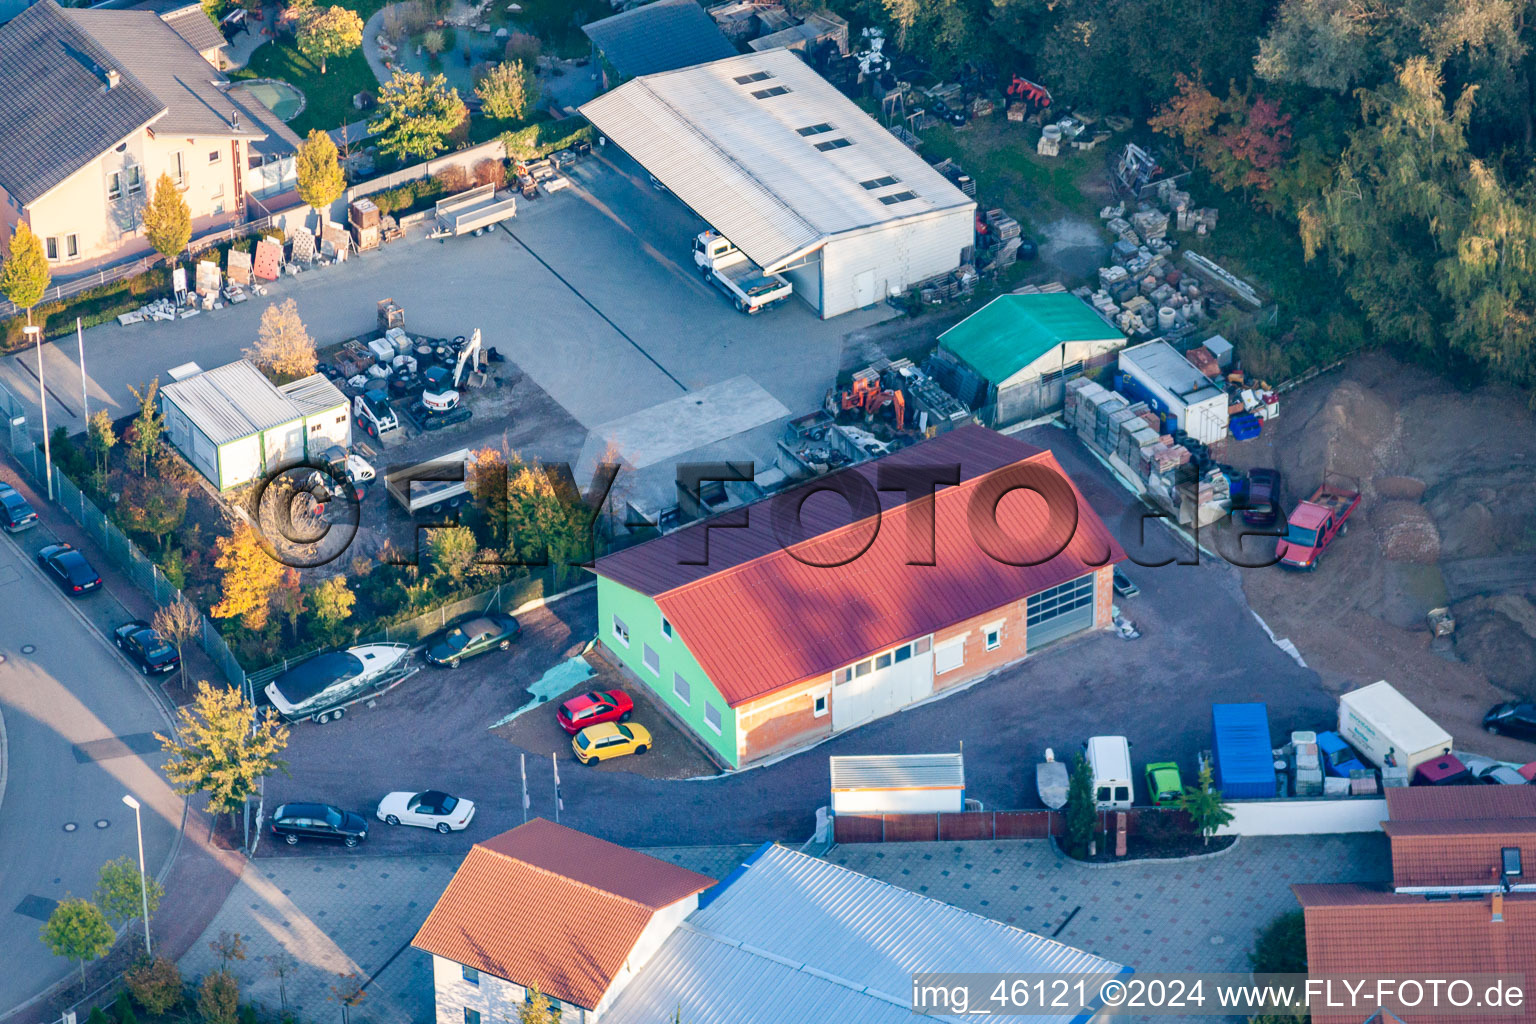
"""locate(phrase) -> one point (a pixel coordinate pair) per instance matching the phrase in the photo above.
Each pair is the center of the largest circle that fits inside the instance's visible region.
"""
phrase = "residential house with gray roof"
(95, 105)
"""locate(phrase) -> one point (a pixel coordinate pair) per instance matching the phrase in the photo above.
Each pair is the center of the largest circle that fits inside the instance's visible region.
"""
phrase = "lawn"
(328, 97)
(1000, 155)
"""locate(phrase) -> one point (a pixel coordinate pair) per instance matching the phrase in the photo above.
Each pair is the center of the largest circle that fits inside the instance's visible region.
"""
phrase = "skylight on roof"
(777, 90)
(815, 129)
(833, 144)
(881, 182)
(756, 76)
(897, 197)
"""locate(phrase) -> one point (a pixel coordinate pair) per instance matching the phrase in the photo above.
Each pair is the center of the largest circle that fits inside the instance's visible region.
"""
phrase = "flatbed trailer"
(472, 211)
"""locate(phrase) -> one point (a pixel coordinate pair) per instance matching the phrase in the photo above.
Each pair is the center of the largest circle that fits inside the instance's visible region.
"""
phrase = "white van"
(1109, 758)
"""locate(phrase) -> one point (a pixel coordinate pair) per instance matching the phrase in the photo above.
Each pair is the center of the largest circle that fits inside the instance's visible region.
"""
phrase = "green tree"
(507, 91)
(536, 1009)
(178, 624)
(218, 998)
(100, 438)
(122, 1009)
(153, 506)
(452, 552)
(119, 894)
(433, 41)
(1282, 946)
(321, 179)
(220, 752)
(1082, 813)
(547, 520)
(24, 274)
(77, 930)
(331, 601)
(283, 345)
(147, 426)
(155, 984)
(329, 32)
(251, 577)
(1204, 805)
(167, 220)
(416, 114)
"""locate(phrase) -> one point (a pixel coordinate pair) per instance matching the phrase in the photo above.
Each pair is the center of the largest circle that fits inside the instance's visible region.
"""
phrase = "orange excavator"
(869, 396)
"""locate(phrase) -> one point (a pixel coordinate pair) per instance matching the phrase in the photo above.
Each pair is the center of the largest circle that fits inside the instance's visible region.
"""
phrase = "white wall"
(239, 462)
(1303, 817)
(900, 254)
(663, 923)
(498, 1000)
(897, 801)
(334, 427)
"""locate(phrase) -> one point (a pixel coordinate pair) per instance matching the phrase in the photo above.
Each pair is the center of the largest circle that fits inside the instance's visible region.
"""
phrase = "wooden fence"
(960, 826)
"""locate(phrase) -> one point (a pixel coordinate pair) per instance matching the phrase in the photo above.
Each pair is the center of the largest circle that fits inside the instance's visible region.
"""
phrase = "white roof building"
(789, 169)
(233, 424)
(792, 937)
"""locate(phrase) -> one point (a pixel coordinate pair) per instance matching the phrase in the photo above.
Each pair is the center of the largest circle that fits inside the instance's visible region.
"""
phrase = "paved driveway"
(1200, 644)
(590, 291)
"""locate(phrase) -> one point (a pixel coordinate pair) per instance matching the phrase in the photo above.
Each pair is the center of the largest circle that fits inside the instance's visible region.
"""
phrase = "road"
(77, 725)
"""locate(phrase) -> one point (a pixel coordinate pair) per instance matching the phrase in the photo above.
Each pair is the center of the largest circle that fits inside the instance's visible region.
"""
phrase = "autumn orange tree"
(251, 577)
(1242, 140)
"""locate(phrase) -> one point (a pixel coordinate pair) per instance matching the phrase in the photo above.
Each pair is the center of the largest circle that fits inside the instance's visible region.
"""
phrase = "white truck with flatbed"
(742, 281)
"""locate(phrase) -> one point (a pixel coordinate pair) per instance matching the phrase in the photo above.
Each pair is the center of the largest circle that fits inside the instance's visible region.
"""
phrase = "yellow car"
(610, 739)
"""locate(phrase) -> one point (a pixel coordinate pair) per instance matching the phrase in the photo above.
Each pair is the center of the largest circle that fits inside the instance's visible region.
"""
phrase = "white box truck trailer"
(1388, 729)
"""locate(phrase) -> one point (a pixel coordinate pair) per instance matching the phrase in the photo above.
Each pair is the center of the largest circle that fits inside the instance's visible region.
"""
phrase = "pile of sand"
(1359, 434)
(1406, 531)
(1405, 488)
(1497, 644)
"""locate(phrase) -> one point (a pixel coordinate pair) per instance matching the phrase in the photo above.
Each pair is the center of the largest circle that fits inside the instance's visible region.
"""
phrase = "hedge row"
(544, 138)
(93, 306)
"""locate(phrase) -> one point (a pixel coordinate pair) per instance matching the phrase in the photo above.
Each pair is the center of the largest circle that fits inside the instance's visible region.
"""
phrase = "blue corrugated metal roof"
(792, 937)
(1245, 766)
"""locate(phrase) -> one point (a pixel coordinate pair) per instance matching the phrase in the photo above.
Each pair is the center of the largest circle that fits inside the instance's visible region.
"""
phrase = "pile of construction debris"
(1143, 293)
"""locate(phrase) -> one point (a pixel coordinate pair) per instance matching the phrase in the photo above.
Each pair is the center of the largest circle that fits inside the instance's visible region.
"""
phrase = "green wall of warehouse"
(643, 617)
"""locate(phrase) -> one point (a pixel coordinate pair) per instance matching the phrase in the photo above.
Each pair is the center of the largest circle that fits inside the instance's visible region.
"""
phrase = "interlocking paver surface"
(343, 915)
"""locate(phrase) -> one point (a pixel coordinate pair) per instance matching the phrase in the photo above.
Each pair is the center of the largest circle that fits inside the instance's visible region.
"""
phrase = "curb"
(1137, 861)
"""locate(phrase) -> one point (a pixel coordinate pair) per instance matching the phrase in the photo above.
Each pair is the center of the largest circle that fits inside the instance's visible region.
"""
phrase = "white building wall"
(497, 1000)
(899, 254)
(898, 801)
(334, 426)
(284, 444)
(662, 924)
(239, 462)
(1304, 817)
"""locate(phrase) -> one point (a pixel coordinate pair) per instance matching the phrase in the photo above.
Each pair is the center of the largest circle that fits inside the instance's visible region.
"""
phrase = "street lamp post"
(143, 882)
(36, 334)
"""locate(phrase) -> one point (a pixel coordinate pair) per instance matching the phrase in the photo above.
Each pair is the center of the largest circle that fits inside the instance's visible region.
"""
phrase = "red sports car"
(593, 708)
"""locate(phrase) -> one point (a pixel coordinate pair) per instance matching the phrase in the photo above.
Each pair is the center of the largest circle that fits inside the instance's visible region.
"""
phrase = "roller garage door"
(1054, 613)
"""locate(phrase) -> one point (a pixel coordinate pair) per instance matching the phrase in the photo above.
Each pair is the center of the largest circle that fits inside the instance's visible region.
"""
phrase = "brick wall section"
(1103, 596)
(774, 724)
(975, 825)
(784, 720)
(978, 660)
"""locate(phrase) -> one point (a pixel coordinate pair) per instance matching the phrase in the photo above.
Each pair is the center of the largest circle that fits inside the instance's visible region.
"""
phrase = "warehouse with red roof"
(793, 618)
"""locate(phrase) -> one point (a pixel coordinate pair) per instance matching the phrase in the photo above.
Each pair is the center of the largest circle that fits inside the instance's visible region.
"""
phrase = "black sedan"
(146, 648)
(69, 569)
(475, 634)
(293, 822)
(16, 514)
(1512, 718)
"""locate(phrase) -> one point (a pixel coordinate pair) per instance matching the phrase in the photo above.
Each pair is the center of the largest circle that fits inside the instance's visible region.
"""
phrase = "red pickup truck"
(1314, 524)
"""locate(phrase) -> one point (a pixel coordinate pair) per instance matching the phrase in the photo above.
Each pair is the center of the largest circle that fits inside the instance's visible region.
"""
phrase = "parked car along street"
(1262, 507)
(69, 569)
(16, 513)
(593, 709)
(609, 740)
(293, 822)
(432, 809)
(476, 634)
(145, 648)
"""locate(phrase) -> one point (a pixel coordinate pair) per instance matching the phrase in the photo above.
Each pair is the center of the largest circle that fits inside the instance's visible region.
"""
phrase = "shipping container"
(1245, 761)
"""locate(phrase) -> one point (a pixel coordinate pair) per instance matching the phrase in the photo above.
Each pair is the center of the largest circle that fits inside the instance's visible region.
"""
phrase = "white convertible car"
(431, 809)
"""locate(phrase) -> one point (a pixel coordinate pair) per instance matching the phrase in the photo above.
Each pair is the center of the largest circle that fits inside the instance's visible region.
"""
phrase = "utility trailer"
(473, 211)
(416, 490)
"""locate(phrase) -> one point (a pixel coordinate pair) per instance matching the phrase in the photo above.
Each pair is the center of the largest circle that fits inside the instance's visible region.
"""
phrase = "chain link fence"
(122, 551)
